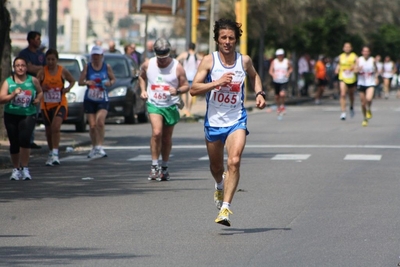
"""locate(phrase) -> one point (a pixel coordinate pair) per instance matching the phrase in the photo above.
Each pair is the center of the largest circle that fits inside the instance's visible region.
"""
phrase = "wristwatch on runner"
(261, 93)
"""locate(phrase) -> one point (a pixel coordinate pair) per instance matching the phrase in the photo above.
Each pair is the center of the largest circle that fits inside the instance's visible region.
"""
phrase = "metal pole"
(188, 25)
(52, 24)
(211, 42)
(194, 21)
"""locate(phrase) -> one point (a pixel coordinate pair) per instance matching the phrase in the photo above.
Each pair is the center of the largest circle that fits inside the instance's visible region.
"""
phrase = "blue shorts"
(91, 107)
(214, 134)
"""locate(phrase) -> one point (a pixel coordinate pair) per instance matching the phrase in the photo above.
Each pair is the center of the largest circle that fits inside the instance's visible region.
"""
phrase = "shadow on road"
(237, 231)
(40, 255)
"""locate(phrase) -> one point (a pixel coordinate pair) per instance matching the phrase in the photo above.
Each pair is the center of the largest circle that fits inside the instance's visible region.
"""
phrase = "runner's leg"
(234, 146)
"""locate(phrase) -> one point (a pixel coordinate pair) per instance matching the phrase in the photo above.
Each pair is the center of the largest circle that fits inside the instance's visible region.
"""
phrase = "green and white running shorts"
(170, 114)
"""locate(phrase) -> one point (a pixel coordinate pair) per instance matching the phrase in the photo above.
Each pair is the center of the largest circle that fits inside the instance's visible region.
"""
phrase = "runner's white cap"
(98, 50)
(280, 51)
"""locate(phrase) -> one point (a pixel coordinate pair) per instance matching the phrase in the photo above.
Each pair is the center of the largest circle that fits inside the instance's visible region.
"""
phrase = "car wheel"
(130, 118)
(142, 117)
(80, 126)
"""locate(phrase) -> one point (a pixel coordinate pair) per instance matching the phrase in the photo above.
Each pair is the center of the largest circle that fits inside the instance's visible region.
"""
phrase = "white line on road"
(291, 157)
(145, 158)
(207, 158)
(254, 146)
(362, 157)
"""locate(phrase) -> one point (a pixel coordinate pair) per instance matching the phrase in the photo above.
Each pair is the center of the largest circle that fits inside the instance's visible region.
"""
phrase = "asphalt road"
(314, 191)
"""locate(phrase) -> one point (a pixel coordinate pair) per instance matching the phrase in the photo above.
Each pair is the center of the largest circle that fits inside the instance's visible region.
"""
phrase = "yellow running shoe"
(364, 123)
(223, 217)
(369, 114)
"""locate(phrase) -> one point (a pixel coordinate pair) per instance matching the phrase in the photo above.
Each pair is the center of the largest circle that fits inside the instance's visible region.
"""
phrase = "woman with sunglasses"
(20, 93)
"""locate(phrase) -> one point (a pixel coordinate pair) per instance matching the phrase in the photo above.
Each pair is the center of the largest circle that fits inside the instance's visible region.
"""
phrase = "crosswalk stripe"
(291, 157)
(207, 158)
(362, 157)
(145, 158)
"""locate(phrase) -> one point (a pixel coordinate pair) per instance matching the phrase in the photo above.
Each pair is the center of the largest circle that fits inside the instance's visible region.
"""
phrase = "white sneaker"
(343, 116)
(49, 161)
(55, 160)
(101, 153)
(15, 175)
(91, 153)
(25, 174)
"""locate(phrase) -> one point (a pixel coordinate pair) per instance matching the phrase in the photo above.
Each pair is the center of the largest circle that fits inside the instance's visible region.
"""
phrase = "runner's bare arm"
(182, 56)
(357, 67)
(290, 69)
(254, 80)
(68, 76)
(199, 86)
(40, 77)
(271, 69)
(39, 92)
(111, 76)
(143, 79)
(4, 96)
(183, 82)
(82, 78)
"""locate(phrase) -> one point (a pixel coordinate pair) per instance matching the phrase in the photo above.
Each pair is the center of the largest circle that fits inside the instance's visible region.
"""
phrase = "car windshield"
(119, 67)
(72, 66)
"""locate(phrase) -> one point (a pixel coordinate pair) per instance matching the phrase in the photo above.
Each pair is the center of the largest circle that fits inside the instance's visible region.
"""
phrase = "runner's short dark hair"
(227, 24)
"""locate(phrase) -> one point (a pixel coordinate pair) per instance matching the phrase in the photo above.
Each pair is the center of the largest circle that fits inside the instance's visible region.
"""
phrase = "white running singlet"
(366, 75)
(387, 70)
(225, 103)
(159, 81)
(190, 66)
(281, 70)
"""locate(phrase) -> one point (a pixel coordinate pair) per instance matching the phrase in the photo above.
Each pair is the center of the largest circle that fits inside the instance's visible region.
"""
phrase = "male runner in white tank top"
(280, 70)
(221, 77)
(161, 81)
(190, 61)
(367, 72)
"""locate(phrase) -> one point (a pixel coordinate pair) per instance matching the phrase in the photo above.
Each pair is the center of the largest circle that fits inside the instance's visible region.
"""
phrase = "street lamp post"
(52, 24)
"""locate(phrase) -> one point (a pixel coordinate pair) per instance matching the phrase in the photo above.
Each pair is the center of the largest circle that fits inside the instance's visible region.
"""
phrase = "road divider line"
(362, 157)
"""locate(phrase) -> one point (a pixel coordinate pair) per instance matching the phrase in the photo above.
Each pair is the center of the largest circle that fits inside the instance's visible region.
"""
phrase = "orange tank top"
(54, 96)
(320, 70)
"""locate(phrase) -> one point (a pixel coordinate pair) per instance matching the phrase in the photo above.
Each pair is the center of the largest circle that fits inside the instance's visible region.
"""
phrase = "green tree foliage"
(325, 34)
(386, 41)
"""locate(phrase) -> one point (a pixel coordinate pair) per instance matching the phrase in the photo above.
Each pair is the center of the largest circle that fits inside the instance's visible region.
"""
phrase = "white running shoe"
(15, 175)
(101, 153)
(91, 153)
(49, 161)
(154, 173)
(343, 116)
(55, 160)
(25, 174)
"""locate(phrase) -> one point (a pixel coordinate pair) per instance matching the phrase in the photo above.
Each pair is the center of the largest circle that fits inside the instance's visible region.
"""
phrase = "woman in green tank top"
(20, 93)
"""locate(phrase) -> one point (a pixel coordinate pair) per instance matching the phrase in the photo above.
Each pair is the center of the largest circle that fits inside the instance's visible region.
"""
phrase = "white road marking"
(207, 158)
(291, 157)
(144, 158)
(251, 146)
(362, 157)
